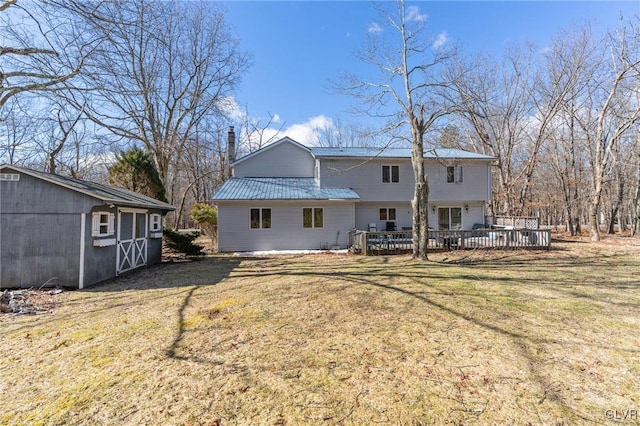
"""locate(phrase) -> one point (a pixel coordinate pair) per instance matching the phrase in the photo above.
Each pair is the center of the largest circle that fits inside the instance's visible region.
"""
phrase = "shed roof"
(108, 194)
(280, 189)
(444, 153)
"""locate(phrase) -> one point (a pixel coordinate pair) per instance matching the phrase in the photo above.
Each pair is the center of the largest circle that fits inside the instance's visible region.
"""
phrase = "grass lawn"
(487, 337)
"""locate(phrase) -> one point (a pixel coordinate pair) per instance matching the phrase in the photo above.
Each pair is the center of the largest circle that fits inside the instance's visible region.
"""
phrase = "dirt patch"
(28, 301)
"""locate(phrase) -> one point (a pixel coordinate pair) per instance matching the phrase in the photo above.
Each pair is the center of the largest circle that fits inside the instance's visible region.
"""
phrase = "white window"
(387, 214)
(13, 177)
(449, 218)
(390, 174)
(155, 222)
(454, 174)
(312, 217)
(102, 224)
(260, 219)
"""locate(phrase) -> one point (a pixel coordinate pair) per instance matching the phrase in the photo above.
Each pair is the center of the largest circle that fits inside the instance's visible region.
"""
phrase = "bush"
(183, 243)
(207, 217)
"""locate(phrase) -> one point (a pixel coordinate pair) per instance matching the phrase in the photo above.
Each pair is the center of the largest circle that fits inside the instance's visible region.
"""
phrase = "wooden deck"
(401, 242)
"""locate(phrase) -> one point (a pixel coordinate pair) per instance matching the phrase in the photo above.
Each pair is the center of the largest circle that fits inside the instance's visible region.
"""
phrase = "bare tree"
(635, 206)
(617, 102)
(164, 68)
(410, 92)
(43, 47)
(494, 101)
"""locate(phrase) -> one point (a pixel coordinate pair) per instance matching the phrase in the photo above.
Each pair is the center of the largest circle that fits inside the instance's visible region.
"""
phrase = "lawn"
(487, 337)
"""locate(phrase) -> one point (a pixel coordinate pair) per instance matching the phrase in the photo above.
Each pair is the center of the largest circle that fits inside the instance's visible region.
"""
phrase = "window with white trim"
(102, 224)
(454, 174)
(390, 174)
(260, 219)
(155, 222)
(449, 218)
(313, 217)
(10, 177)
(387, 213)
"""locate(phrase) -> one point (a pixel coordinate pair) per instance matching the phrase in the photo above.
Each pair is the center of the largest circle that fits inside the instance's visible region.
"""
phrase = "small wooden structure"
(62, 231)
(519, 222)
(401, 242)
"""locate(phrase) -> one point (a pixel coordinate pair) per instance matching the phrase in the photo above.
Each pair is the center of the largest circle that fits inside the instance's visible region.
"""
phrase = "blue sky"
(298, 46)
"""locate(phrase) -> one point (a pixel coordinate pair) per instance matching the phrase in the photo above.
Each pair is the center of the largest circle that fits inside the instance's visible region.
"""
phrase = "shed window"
(312, 217)
(390, 174)
(155, 222)
(102, 224)
(14, 177)
(260, 219)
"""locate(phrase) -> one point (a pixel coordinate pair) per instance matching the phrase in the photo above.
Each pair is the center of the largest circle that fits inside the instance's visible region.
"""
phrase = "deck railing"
(518, 222)
(400, 242)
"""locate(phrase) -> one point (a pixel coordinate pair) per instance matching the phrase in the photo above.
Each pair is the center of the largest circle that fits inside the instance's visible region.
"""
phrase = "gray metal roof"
(444, 153)
(280, 189)
(108, 194)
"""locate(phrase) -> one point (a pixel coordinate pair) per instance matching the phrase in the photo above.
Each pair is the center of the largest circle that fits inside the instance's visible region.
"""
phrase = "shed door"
(132, 240)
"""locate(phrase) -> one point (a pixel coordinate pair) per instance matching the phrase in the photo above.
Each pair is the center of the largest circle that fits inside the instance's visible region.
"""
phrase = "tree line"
(83, 83)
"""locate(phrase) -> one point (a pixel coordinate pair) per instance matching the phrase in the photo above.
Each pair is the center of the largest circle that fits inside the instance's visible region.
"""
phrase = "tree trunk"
(635, 228)
(420, 200)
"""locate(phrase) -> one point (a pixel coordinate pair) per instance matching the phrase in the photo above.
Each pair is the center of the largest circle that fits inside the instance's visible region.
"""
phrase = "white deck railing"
(396, 242)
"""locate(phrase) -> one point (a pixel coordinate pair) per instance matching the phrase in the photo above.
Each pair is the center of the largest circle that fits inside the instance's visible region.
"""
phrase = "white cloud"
(374, 28)
(309, 132)
(276, 118)
(413, 14)
(232, 109)
(545, 50)
(440, 40)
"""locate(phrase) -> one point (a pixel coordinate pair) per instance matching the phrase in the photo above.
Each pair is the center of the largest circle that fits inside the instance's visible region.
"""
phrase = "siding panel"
(286, 231)
(282, 160)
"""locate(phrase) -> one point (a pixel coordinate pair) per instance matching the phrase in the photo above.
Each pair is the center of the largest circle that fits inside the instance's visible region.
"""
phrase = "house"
(64, 231)
(289, 196)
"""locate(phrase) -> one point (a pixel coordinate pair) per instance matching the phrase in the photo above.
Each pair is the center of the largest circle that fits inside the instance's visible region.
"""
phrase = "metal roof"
(108, 194)
(262, 188)
(444, 153)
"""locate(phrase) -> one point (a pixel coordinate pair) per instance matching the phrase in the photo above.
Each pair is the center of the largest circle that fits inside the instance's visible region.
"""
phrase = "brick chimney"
(231, 148)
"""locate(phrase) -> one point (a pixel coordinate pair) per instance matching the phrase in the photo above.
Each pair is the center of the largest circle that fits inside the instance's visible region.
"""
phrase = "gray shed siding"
(282, 160)
(49, 251)
(286, 232)
(40, 236)
(39, 233)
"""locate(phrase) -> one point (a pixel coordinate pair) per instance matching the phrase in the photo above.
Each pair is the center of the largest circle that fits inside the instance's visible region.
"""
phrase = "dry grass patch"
(476, 337)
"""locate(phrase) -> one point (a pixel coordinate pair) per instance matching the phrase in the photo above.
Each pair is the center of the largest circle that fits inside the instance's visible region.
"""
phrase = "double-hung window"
(260, 218)
(313, 217)
(387, 214)
(390, 174)
(454, 174)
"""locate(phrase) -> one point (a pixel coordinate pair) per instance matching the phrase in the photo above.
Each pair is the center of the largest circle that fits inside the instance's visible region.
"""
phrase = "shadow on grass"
(206, 271)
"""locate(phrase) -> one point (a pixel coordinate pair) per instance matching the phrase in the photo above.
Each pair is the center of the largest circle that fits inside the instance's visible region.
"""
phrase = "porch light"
(433, 209)
(466, 207)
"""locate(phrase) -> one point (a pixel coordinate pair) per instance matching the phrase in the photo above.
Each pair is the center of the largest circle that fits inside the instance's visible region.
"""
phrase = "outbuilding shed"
(68, 232)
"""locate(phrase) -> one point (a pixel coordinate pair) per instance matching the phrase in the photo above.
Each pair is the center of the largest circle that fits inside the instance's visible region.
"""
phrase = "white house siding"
(369, 212)
(286, 232)
(282, 160)
(365, 177)
(473, 188)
